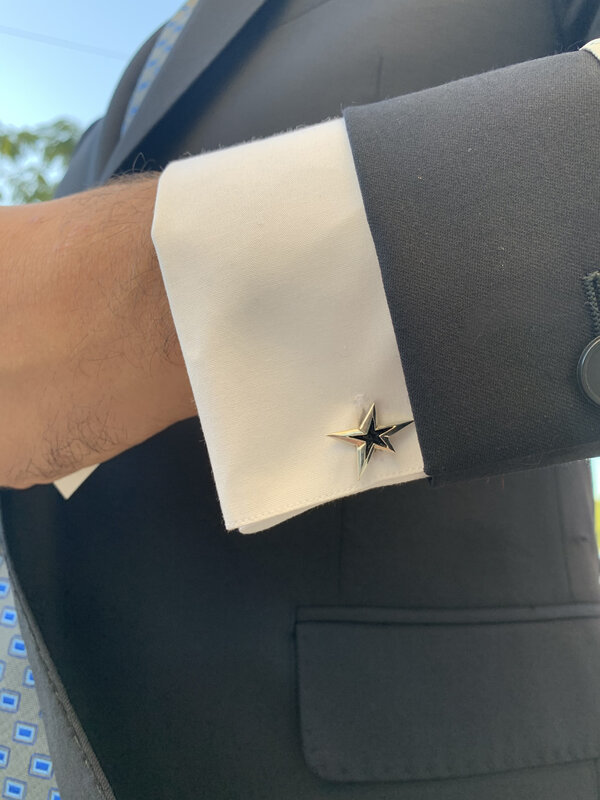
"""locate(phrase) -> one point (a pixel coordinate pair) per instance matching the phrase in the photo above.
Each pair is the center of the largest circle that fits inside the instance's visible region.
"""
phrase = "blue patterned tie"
(156, 59)
(26, 770)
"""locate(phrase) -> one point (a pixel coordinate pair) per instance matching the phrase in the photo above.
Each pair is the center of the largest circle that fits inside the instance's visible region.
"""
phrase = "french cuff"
(280, 310)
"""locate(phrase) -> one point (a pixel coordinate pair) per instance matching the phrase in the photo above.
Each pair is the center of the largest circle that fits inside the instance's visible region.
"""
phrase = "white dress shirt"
(279, 306)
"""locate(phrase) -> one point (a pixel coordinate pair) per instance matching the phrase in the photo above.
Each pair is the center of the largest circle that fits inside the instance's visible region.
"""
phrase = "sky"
(41, 81)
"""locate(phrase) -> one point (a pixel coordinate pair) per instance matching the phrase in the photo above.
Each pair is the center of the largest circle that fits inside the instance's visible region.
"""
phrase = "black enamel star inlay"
(368, 437)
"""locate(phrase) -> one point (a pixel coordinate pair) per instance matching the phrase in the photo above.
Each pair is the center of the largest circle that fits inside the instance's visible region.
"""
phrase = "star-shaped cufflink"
(368, 436)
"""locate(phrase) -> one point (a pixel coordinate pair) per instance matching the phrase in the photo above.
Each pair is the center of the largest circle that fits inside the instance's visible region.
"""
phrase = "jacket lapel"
(213, 24)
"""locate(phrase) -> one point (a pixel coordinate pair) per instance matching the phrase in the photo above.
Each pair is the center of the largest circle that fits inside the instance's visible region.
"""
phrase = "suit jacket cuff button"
(588, 371)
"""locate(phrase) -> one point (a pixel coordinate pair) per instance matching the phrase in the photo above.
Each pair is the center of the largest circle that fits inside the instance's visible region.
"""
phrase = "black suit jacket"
(416, 642)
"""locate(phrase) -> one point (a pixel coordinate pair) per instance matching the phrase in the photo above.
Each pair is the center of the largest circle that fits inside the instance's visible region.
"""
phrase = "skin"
(90, 363)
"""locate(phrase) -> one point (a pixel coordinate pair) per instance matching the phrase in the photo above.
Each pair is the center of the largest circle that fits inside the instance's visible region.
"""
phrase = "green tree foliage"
(33, 160)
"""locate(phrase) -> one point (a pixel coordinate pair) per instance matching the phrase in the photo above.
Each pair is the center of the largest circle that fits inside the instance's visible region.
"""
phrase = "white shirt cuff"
(69, 484)
(280, 310)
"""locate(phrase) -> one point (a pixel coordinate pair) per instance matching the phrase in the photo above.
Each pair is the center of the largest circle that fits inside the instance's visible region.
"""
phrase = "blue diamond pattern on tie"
(26, 771)
(156, 59)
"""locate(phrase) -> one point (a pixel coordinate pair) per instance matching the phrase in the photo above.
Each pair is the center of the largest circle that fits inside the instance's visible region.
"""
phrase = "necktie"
(26, 769)
(156, 59)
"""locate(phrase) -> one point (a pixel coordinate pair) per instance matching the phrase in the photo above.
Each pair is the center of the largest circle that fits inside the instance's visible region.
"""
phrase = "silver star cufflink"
(368, 436)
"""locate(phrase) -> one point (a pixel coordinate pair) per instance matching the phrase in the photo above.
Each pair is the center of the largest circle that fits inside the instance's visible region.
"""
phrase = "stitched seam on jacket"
(56, 684)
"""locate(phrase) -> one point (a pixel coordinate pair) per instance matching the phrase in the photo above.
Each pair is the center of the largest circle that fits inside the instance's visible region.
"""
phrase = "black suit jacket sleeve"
(483, 199)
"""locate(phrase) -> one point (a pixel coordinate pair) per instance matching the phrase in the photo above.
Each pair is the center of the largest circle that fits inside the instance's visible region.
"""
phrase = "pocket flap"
(400, 696)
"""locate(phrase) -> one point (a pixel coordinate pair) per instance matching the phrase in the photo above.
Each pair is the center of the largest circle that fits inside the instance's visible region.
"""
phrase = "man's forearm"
(90, 360)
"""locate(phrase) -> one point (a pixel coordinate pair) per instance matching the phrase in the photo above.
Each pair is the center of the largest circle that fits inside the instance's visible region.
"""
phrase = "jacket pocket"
(395, 695)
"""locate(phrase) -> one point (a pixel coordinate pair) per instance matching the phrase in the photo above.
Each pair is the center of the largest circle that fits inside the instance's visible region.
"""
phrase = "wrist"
(90, 356)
